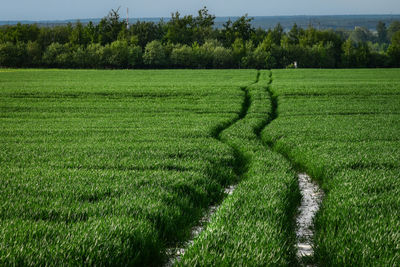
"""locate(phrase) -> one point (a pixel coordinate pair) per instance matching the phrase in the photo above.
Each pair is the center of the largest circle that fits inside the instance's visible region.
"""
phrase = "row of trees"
(194, 42)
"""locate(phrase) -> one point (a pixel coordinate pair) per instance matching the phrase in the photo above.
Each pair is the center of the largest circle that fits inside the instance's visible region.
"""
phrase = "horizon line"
(233, 16)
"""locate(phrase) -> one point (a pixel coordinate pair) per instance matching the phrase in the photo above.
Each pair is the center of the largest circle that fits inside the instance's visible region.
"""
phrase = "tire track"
(239, 168)
(312, 196)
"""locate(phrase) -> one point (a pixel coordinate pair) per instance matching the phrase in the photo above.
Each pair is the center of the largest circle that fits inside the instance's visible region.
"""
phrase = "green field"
(110, 166)
(253, 226)
(116, 167)
(343, 128)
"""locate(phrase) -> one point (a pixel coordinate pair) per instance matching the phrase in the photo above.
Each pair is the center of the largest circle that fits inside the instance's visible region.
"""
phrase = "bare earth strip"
(311, 200)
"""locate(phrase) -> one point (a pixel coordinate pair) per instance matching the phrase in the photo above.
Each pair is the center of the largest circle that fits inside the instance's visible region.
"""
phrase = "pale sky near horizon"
(81, 9)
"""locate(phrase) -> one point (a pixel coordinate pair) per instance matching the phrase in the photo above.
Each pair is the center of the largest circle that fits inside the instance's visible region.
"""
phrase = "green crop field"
(343, 128)
(253, 226)
(116, 167)
(103, 167)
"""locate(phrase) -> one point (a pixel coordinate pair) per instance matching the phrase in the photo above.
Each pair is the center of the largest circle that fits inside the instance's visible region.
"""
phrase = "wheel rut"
(239, 168)
(312, 196)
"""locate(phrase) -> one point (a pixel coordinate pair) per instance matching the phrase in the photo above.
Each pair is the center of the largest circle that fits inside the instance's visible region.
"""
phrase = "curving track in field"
(244, 169)
(175, 254)
(312, 196)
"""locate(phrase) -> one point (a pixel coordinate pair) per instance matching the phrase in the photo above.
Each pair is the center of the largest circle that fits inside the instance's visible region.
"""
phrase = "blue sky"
(80, 9)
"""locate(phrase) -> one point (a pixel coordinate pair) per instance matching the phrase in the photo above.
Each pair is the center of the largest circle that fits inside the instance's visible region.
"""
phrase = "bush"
(183, 56)
(94, 55)
(79, 58)
(355, 55)
(204, 55)
(135, 56)
(270, 61)
(222, 57)
(57, 55)
(34, 54)
(323, 55)
(154, 55)
(378, 60)
(12, 55)
(394, 50)
(259, 58)
(120, 55)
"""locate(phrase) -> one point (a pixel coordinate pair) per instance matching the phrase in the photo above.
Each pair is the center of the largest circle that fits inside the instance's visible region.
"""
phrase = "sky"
(81, 9)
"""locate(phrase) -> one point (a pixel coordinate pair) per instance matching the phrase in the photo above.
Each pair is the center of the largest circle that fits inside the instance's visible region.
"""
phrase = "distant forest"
(195, 42)
(322, 22)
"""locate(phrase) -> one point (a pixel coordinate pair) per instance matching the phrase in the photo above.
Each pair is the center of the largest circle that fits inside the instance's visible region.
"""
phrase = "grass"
(253, 226)
(342, 127)
(114, 167)
(110, 167)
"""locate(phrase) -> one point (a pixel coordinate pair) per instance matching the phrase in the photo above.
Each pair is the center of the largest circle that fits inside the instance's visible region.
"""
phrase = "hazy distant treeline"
(193, 42)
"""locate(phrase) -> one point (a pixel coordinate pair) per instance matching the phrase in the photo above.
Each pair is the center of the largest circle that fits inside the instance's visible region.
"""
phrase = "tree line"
(193, 42)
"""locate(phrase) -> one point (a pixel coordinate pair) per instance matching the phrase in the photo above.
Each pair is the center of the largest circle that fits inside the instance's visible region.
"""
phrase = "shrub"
(94, 55)
(34, 53)
(154, 55)
(183, 56)
(394, 50)
(55, 55)
(204, 55)
(80, 58)
(121, 55)
(222, 57)
(12, 55)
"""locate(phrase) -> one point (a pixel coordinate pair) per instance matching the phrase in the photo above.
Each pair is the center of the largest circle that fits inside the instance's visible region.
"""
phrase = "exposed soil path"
(311, 200)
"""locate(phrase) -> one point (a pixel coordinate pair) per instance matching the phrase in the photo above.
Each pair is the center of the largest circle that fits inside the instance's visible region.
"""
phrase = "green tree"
(204, 55)
(238, 51)
(90, 33)
(204, 23)
(78, 36)
(21, 33)
(55, 55)
(276, 34)
(293, 35)
(393, 28)
(382, 32)
(12, 55)
(44, 38)
(273, 53)
(61, 34)
(349, 54)
(147, 32)
(94, 56)
(363, 55)
(394, 50)
(120, 55)
(258, 36)
(323, 55)
(34, 54)
(271, 62)
(180, 30)
(182, 56)
(239, 29)
(154, 54)
(222, 57)
(361, 35)
(259, 57)
(355, 55)
(109, 27)
(80, 58)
